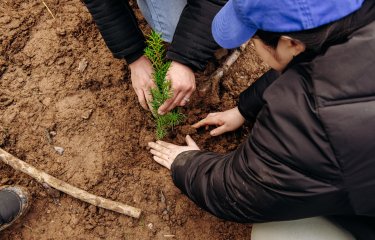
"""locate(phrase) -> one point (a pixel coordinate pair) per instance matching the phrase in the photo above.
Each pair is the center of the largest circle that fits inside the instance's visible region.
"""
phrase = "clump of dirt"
(62, 89)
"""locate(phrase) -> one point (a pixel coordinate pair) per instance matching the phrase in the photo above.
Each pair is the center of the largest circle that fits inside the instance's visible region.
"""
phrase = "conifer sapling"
(155, 52)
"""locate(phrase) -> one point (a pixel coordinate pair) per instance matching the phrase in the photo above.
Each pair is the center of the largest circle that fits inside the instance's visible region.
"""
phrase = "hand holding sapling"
(142, 82)
(182, 79)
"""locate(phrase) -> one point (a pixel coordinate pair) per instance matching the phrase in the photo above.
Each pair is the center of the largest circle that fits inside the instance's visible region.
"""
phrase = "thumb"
(218, 131)
(190, 142)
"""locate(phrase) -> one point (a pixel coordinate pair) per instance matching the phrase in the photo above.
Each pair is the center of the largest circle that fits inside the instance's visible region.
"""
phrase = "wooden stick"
(62, 186)
(220, 72)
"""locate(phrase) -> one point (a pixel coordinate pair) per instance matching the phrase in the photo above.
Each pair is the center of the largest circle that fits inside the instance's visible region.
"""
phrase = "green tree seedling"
(155, 52)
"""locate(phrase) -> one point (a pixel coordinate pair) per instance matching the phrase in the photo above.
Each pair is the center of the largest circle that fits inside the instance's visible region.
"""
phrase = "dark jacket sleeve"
(119, 28)
(193, 43)
(285, 170)
(251, 100)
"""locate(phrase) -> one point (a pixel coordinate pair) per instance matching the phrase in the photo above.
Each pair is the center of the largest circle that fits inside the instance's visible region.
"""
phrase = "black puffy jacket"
(311, 151)
(192, 45)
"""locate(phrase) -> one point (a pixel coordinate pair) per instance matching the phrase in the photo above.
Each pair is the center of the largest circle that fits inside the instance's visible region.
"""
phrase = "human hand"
(226, 121)
(141, 75)
(183, 85)
(165, 153)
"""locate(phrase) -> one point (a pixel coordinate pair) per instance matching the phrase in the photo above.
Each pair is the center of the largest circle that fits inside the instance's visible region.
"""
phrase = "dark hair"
(319, 39)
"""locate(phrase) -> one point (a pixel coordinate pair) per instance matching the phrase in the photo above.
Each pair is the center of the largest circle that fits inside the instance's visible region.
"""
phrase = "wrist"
(141, 60)
(181, 65)
(239, 114)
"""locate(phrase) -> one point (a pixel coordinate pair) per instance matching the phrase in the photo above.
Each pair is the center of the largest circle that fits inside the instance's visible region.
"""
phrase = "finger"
(209, 120)
(190, 142)
(179, 97)
(141, 98)
(185, 99)
(177, 101)
(170, 104)
(162, 162)
(148, 95)
(159, 154)
(218, 131)
(163, 108)
(166, 145)
(158, 147)
(188, 95)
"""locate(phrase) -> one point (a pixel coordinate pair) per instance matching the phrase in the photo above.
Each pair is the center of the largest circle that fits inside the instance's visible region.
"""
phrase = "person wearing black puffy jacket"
(311, 151)
(186, 24)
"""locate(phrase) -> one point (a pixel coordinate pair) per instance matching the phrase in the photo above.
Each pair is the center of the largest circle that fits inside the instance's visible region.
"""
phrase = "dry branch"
(62, 186)
(220, 72)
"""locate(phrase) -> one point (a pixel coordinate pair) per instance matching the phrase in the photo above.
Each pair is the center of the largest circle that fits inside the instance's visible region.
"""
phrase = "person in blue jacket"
(311, 150)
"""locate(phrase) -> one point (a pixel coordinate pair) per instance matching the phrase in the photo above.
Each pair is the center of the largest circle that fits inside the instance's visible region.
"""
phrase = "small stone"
(111, 173)
(59, 150)
(61, 32)
(82, 65)
(162, 197)
(52, 133)
(47, 101)
(169, 235)
(87, 114)
(150, 226)
(5, 20)
(61, 61)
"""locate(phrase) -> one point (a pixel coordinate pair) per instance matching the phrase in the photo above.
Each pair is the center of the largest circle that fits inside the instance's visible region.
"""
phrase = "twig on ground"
(62, 186)
(49, 10)
(220, 72)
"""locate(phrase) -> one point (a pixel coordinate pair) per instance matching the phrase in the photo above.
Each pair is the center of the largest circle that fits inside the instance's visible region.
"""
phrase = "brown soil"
(60, 86)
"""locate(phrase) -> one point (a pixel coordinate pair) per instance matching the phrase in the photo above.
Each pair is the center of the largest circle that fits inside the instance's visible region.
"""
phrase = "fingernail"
(161, 112)
(213, 133)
